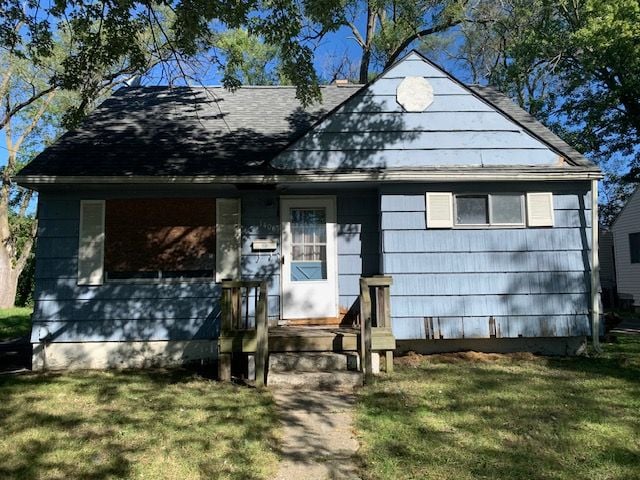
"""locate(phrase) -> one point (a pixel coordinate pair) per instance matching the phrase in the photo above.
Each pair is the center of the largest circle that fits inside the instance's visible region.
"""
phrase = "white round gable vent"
(414, 94)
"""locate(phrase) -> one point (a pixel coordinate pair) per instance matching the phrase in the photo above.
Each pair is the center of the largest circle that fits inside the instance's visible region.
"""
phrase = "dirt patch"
(413, 359)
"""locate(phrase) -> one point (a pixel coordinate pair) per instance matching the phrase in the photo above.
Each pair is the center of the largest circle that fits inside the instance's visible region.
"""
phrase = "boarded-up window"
(160, 238)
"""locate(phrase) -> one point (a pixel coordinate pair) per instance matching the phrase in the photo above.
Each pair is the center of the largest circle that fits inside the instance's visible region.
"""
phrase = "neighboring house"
(479, 214)
(626, 240)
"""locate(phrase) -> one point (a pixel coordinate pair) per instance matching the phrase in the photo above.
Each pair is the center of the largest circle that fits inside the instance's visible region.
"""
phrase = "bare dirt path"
(317, 435)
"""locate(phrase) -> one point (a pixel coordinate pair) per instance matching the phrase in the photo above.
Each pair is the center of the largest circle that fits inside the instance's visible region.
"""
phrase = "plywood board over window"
(160, 238)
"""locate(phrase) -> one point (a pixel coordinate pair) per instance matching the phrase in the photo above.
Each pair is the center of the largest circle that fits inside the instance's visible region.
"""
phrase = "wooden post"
(365, 327)
(225, 324)
(388, 361)
(224, 367)
(262, 336)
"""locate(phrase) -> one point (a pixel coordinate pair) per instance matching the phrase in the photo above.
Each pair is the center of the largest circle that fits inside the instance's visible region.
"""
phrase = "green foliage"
(248, 59)
(574, 65)
(26, 283)
(105, 35)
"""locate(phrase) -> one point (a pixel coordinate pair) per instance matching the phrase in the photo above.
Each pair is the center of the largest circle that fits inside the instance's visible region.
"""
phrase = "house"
(626, 243)
(174, 221)
(607, 268)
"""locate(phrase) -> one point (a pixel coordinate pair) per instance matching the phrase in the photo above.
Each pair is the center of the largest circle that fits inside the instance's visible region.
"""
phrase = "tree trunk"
(8, 281)
(366, 48)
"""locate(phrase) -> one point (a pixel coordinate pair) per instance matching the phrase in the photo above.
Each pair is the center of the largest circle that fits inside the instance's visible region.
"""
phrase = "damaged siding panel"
(444, 328)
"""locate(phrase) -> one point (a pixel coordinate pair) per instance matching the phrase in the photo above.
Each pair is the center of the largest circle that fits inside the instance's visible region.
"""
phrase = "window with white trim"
(489, 210)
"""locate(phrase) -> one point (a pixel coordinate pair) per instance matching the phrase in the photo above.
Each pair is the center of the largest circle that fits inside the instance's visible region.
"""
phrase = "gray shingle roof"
(184, 131)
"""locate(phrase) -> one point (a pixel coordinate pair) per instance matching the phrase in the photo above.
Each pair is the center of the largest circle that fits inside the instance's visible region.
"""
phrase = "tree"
(34, 105)
(249, 59)
(390, 27)
(575, 65)
(578, 63)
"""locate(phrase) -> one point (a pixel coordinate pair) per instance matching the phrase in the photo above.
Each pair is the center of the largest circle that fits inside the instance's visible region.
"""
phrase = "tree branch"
(422, 33)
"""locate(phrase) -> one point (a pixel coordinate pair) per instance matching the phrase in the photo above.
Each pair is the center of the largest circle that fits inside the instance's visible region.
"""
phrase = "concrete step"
(312, 362)
(337, 380)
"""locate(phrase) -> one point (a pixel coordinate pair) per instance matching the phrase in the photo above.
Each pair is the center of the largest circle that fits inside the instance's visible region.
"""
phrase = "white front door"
(309, 257)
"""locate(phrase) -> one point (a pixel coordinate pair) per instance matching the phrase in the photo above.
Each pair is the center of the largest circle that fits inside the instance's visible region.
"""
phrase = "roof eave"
(415, 175)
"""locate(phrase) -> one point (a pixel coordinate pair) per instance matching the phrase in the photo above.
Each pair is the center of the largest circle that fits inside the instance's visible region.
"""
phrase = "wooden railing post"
(365, 328)
(226, 322)
(262, 335)
(381, 326)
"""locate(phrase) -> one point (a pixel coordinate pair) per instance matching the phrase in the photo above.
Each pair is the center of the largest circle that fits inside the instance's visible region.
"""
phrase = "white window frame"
(491, 224)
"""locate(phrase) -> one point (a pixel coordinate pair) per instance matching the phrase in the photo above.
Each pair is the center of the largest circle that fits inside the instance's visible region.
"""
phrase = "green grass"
(15, 322)
(472, 416)
(153, 424)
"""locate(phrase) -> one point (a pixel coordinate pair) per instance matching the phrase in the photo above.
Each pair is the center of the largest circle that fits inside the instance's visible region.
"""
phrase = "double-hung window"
(482, 210)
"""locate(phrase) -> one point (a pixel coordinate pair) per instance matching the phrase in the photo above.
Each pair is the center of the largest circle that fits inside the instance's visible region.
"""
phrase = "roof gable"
(631, 208)
(459, 128)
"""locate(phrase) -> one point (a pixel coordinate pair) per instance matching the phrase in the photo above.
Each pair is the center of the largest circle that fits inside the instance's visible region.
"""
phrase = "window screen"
(490, 209)
(472, 210)
(634, 247)
(507, 209)
(160, 238)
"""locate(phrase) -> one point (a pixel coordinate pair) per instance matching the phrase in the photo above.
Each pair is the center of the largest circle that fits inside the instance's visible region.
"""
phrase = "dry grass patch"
(469, 416)
(159, 424)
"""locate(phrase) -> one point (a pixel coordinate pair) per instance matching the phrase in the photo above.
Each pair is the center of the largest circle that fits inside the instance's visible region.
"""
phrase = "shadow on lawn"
(150, 424)
(547, 418)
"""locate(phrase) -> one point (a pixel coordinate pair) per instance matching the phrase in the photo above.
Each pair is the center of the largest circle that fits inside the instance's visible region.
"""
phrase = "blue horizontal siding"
(408, 139)
(528, 281)
(428, 121)
(411, 66)
(126, 330)
(134, 310)
(378, 157)
(489, 305)
(485, 262)
(448, 284)
(484, 240)
(377, 104)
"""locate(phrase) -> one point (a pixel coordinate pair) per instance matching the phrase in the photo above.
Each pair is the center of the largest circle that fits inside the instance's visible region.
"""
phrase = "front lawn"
(470, 416)
(15, 322)
(154, 424)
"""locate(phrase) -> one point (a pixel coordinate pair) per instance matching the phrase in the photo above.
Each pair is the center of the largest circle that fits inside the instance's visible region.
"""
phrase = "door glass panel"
(309, 244)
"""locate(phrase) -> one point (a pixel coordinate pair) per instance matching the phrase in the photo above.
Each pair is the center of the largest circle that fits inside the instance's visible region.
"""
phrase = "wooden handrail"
(374, 319)
(235, 318)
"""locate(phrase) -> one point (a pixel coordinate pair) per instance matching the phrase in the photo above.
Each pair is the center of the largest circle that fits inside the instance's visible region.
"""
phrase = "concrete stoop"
(314, 371)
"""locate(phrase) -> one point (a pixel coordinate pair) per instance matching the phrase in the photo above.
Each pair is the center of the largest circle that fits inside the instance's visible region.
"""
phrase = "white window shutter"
(228, 239)
(91, 243)
(439, 210)
(540, 209)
